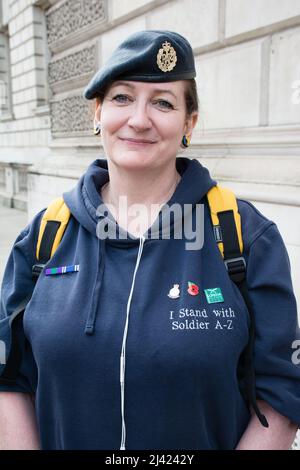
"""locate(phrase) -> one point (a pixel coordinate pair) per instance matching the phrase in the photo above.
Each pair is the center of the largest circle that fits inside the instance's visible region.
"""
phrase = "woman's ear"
(97, 109)
(191, 123)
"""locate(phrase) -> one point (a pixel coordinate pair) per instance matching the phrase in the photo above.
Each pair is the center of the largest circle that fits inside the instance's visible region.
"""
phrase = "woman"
(131, 351)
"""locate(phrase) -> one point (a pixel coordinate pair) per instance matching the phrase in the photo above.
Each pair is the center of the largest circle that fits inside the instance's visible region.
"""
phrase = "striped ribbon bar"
(62, 270)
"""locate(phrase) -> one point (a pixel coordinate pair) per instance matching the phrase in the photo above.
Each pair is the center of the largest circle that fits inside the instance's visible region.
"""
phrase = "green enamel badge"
(214, 296)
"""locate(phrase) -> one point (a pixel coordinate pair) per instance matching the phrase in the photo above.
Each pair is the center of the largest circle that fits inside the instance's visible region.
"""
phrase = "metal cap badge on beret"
(146, 56)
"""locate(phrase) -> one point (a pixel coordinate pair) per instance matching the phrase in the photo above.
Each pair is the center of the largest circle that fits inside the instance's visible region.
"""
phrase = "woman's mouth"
(131, 141)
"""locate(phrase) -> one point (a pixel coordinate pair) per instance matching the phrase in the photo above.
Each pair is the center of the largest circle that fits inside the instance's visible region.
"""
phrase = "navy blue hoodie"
(181, 345)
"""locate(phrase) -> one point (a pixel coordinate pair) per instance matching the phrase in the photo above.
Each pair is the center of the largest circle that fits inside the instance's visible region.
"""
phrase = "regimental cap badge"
(166, 57)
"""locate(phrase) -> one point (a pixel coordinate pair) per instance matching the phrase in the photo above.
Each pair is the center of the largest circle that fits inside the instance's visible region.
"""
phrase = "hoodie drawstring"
(123, 351)
(90, 323)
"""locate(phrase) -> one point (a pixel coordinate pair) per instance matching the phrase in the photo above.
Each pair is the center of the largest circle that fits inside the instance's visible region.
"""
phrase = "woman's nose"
(139, 118)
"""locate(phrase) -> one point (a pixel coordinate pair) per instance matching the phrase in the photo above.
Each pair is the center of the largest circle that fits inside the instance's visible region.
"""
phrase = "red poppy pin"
(193, 288)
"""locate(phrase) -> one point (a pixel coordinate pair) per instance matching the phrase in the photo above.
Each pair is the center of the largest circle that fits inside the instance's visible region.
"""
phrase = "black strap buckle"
(37, 269)
(236, 268)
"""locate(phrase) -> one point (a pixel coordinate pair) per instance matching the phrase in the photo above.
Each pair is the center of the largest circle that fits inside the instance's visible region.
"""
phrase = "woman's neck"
(140, 188)
(150, 189)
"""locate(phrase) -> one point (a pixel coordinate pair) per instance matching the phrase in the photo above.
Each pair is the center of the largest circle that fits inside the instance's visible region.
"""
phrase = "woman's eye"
(124, 99)
(121, 98)
(164, 104)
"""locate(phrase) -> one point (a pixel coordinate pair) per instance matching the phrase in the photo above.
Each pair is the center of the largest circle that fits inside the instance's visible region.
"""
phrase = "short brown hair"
(191, 96)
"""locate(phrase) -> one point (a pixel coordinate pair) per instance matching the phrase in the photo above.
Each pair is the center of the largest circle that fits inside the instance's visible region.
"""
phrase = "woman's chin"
(133, 160)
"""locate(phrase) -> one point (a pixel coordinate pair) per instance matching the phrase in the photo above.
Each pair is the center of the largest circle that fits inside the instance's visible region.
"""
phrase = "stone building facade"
(248, 64)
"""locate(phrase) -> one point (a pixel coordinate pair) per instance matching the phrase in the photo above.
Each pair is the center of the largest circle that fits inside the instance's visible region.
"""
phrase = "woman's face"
(142, 124)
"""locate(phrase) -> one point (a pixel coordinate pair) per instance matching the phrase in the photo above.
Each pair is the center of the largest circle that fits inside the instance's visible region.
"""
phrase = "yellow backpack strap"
(52, 227)
(226, 222)
(221, 200)
(227, 227)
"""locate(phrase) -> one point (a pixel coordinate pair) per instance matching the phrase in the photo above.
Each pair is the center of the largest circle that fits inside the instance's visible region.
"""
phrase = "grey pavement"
(12, 221)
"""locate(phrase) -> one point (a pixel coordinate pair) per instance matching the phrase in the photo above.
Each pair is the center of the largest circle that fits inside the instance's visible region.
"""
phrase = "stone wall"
(24, 96)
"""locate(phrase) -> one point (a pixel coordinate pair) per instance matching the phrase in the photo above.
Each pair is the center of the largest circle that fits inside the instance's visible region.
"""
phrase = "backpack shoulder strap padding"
(52, 227)
(227, 226)
(222, 199)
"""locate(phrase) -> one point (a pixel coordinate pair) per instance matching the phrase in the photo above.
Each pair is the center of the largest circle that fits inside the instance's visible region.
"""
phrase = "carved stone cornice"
(71, 117)
(73, 65)
(274, 139)
(68, 18)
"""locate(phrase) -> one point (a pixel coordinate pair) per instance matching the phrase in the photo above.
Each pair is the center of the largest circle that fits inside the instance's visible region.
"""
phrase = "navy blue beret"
(146, 56)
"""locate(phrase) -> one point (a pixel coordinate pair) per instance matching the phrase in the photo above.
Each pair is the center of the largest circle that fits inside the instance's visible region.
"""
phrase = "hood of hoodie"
(86, 204)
